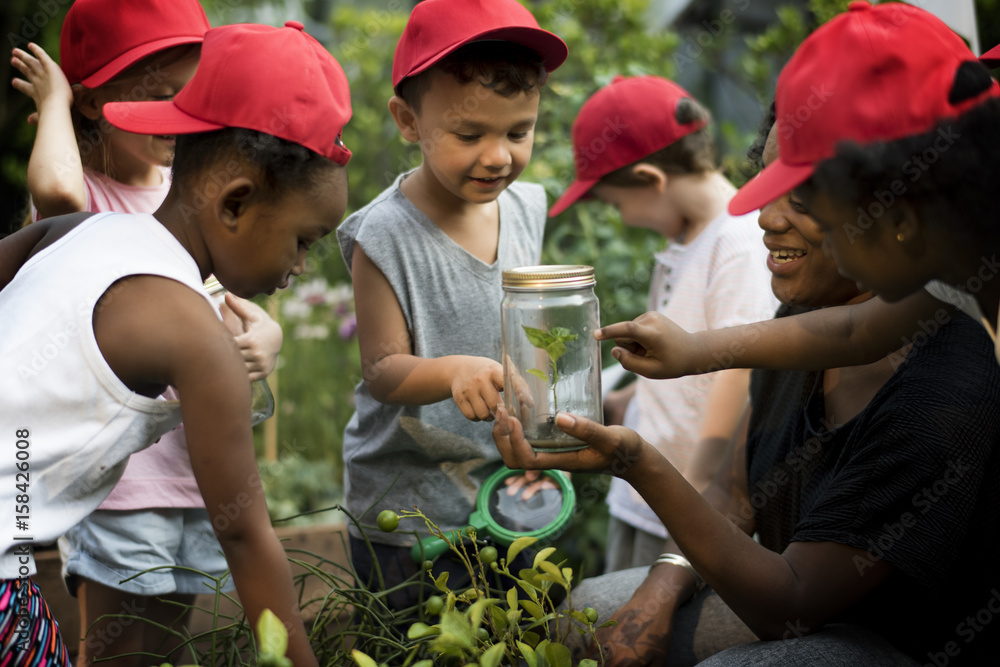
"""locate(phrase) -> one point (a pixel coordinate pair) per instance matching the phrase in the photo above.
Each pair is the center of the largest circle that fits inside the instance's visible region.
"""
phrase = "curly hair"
(506, 68)
(215, 157)
(948, 174)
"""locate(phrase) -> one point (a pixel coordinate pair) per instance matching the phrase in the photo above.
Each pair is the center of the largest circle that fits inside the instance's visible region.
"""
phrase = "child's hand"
(45, 82)
(652, 346)
(476, 387)
(613, 450)
(531, 482)
(258, 336)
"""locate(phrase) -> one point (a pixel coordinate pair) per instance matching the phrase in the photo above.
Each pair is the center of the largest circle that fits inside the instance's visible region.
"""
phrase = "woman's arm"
(801, 588)
(653, 346)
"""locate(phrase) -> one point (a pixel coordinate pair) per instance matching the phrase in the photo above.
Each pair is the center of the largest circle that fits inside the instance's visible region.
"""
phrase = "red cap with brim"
(576, 191)
(278, 81)
(126, 60)
(858, 79)
(629, 119)
(100, 39)
(777, 177)
(991, 58)
(437, 28)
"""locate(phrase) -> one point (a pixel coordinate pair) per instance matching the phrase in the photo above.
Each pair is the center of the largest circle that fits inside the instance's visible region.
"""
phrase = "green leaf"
(272, 634)
(362, 659)
(537, 337)
(556, 655)
(419, 630)
(512, 598)
(499, 618)
(555, 349)
(586, 662)
(456, 631)
(543, 555)
(533, 609)
(528, 654)
(538, 374)
(492, 656)
(442, 582)
(519, 545)
(554, 571)
(562, 333)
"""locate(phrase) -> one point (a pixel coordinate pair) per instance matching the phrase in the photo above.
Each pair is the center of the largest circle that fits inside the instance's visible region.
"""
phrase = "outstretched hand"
(653, 346)
(613, 450)
(43, 81)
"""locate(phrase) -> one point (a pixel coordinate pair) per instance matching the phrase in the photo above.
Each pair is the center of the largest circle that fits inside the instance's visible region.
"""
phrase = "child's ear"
(234, 200)
(905, 223)
(86, 100)
(405, 117)
(652, 176)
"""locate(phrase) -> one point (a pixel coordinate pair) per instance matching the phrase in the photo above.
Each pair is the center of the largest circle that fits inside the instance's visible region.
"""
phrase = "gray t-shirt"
(431, 456)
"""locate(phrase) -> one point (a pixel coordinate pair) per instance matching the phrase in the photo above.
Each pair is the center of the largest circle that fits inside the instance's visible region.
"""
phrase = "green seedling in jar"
(553, 343)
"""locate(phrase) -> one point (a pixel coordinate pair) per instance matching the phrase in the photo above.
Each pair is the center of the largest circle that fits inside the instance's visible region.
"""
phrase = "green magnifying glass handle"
(432, 546)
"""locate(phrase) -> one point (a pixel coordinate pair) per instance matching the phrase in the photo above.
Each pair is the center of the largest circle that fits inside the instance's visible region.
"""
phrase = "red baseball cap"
(438, 27)
(279, 81)
(101, 38)
(991, 58)
(871, 74)
(619, 125)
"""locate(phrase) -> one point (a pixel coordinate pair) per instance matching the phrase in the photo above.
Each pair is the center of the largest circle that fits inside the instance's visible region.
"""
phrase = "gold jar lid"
(549, 277)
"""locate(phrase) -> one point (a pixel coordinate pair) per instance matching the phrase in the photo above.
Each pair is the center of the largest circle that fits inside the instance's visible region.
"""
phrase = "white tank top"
(60, 402)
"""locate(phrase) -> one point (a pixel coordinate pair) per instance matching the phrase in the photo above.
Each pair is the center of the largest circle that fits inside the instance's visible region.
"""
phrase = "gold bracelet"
(677, 559)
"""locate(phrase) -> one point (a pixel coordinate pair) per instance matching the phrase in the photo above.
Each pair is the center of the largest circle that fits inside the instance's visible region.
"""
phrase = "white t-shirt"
(67, 410)
(720, 279)
(967, 304)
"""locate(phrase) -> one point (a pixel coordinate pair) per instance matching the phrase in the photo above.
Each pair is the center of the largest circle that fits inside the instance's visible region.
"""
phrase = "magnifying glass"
(507, 517)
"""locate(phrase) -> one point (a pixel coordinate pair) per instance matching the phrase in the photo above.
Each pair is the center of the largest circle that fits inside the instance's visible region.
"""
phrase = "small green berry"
(488, 555)
(470, 531)
(428, 565)
(434, 605)
(591, 614)
(387, 521)
(482, 634)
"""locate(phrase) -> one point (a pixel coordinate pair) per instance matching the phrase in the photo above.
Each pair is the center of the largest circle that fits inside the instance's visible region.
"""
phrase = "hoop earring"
(899, 237)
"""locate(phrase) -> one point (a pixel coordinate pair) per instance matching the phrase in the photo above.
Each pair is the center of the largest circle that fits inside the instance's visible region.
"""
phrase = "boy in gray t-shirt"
(426, 258)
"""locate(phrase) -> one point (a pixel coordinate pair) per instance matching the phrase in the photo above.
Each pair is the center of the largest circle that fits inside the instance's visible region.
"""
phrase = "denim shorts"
(110, 546)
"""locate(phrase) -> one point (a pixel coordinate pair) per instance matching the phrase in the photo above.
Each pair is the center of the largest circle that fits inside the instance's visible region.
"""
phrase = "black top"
(913, 479)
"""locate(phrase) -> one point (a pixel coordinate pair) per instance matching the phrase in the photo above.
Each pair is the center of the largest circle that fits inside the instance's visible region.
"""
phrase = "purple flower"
(348, 327)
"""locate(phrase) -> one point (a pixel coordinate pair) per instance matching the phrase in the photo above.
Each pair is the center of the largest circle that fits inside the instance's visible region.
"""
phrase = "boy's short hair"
(506, 69)
(504, 30)
(209, 159)
(631, 120)
(693, 153)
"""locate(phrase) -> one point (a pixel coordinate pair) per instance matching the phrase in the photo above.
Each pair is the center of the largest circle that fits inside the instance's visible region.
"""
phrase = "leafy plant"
(478, 624)
(553, 343)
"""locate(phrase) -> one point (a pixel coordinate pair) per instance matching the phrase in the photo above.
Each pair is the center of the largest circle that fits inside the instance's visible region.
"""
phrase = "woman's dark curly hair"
(948, 174)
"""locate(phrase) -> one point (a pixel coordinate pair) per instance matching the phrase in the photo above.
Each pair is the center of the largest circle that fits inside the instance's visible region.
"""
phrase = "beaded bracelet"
(677, 559)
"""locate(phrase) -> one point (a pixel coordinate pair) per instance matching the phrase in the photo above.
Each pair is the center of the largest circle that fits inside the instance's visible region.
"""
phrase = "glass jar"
(551, 361)
(261, 398)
